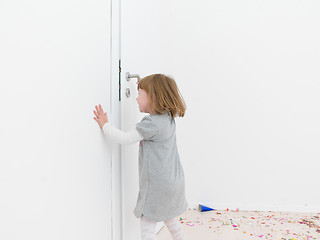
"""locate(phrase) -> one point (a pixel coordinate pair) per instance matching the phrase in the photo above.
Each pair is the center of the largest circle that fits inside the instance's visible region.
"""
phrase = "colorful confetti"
(251, 225)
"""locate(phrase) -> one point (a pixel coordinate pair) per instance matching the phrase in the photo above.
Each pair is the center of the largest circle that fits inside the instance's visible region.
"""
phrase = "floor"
(246, 225)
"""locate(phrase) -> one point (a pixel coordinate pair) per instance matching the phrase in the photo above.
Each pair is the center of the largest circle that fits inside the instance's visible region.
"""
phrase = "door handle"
(129, 76)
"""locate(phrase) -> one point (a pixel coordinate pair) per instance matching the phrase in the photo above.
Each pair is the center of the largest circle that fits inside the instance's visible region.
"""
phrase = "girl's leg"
(175, 229)
(148, 229)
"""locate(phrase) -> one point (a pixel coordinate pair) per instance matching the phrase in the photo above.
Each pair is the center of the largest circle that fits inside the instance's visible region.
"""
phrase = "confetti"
(266, 225)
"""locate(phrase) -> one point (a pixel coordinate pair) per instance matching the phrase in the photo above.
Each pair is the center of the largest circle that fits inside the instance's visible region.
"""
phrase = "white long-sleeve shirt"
(120, 136)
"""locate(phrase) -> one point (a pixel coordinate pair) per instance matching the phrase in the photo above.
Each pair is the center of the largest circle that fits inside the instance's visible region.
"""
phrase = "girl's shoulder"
(156, 126)
(158, 119)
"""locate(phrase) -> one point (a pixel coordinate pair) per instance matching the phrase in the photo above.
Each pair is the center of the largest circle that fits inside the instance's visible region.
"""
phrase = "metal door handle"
(128, 76)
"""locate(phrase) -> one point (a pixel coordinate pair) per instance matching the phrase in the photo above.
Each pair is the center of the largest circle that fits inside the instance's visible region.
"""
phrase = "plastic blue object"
(203, 208)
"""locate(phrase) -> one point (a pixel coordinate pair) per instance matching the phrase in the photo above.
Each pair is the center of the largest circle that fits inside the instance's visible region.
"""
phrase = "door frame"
(116, 94)
(114, 117)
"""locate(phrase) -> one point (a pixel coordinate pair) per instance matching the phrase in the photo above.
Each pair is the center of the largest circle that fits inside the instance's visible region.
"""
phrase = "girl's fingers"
(97, 113)
(98, 110)
(101, 110)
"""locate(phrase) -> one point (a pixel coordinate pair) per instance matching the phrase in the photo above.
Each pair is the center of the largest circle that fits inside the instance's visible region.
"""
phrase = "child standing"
(161, 176)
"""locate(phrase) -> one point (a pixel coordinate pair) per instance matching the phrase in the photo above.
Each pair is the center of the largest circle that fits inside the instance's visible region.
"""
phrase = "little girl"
(161, 177)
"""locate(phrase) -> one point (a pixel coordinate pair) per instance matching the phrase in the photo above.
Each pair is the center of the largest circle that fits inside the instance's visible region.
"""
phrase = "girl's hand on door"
(101, 116)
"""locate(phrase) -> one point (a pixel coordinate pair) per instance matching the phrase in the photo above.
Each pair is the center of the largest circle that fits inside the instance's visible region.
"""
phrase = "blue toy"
(203, 208)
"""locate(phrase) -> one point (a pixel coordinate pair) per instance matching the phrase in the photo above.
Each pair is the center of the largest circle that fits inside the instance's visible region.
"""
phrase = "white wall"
(54, 160)
(249, 72)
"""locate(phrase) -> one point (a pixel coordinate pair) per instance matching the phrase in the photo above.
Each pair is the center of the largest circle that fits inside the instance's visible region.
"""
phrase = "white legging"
(148, 229)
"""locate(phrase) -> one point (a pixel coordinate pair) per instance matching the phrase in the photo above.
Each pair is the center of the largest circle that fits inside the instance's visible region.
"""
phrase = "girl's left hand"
(101, 116)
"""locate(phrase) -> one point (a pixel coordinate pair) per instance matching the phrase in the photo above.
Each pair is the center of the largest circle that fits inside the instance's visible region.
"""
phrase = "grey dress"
(161, 176)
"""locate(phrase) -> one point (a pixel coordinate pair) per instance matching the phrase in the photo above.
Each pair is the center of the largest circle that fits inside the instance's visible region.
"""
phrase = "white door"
(55, 169)
(145, 49)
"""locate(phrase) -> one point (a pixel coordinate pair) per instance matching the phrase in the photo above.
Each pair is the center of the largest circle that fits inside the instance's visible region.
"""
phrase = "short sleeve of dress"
(147, 128)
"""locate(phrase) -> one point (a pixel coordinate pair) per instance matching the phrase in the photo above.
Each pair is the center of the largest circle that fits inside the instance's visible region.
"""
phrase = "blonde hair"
(163, 94)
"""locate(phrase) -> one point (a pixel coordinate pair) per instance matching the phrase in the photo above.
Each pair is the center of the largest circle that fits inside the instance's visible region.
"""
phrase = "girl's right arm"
(120, 136)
